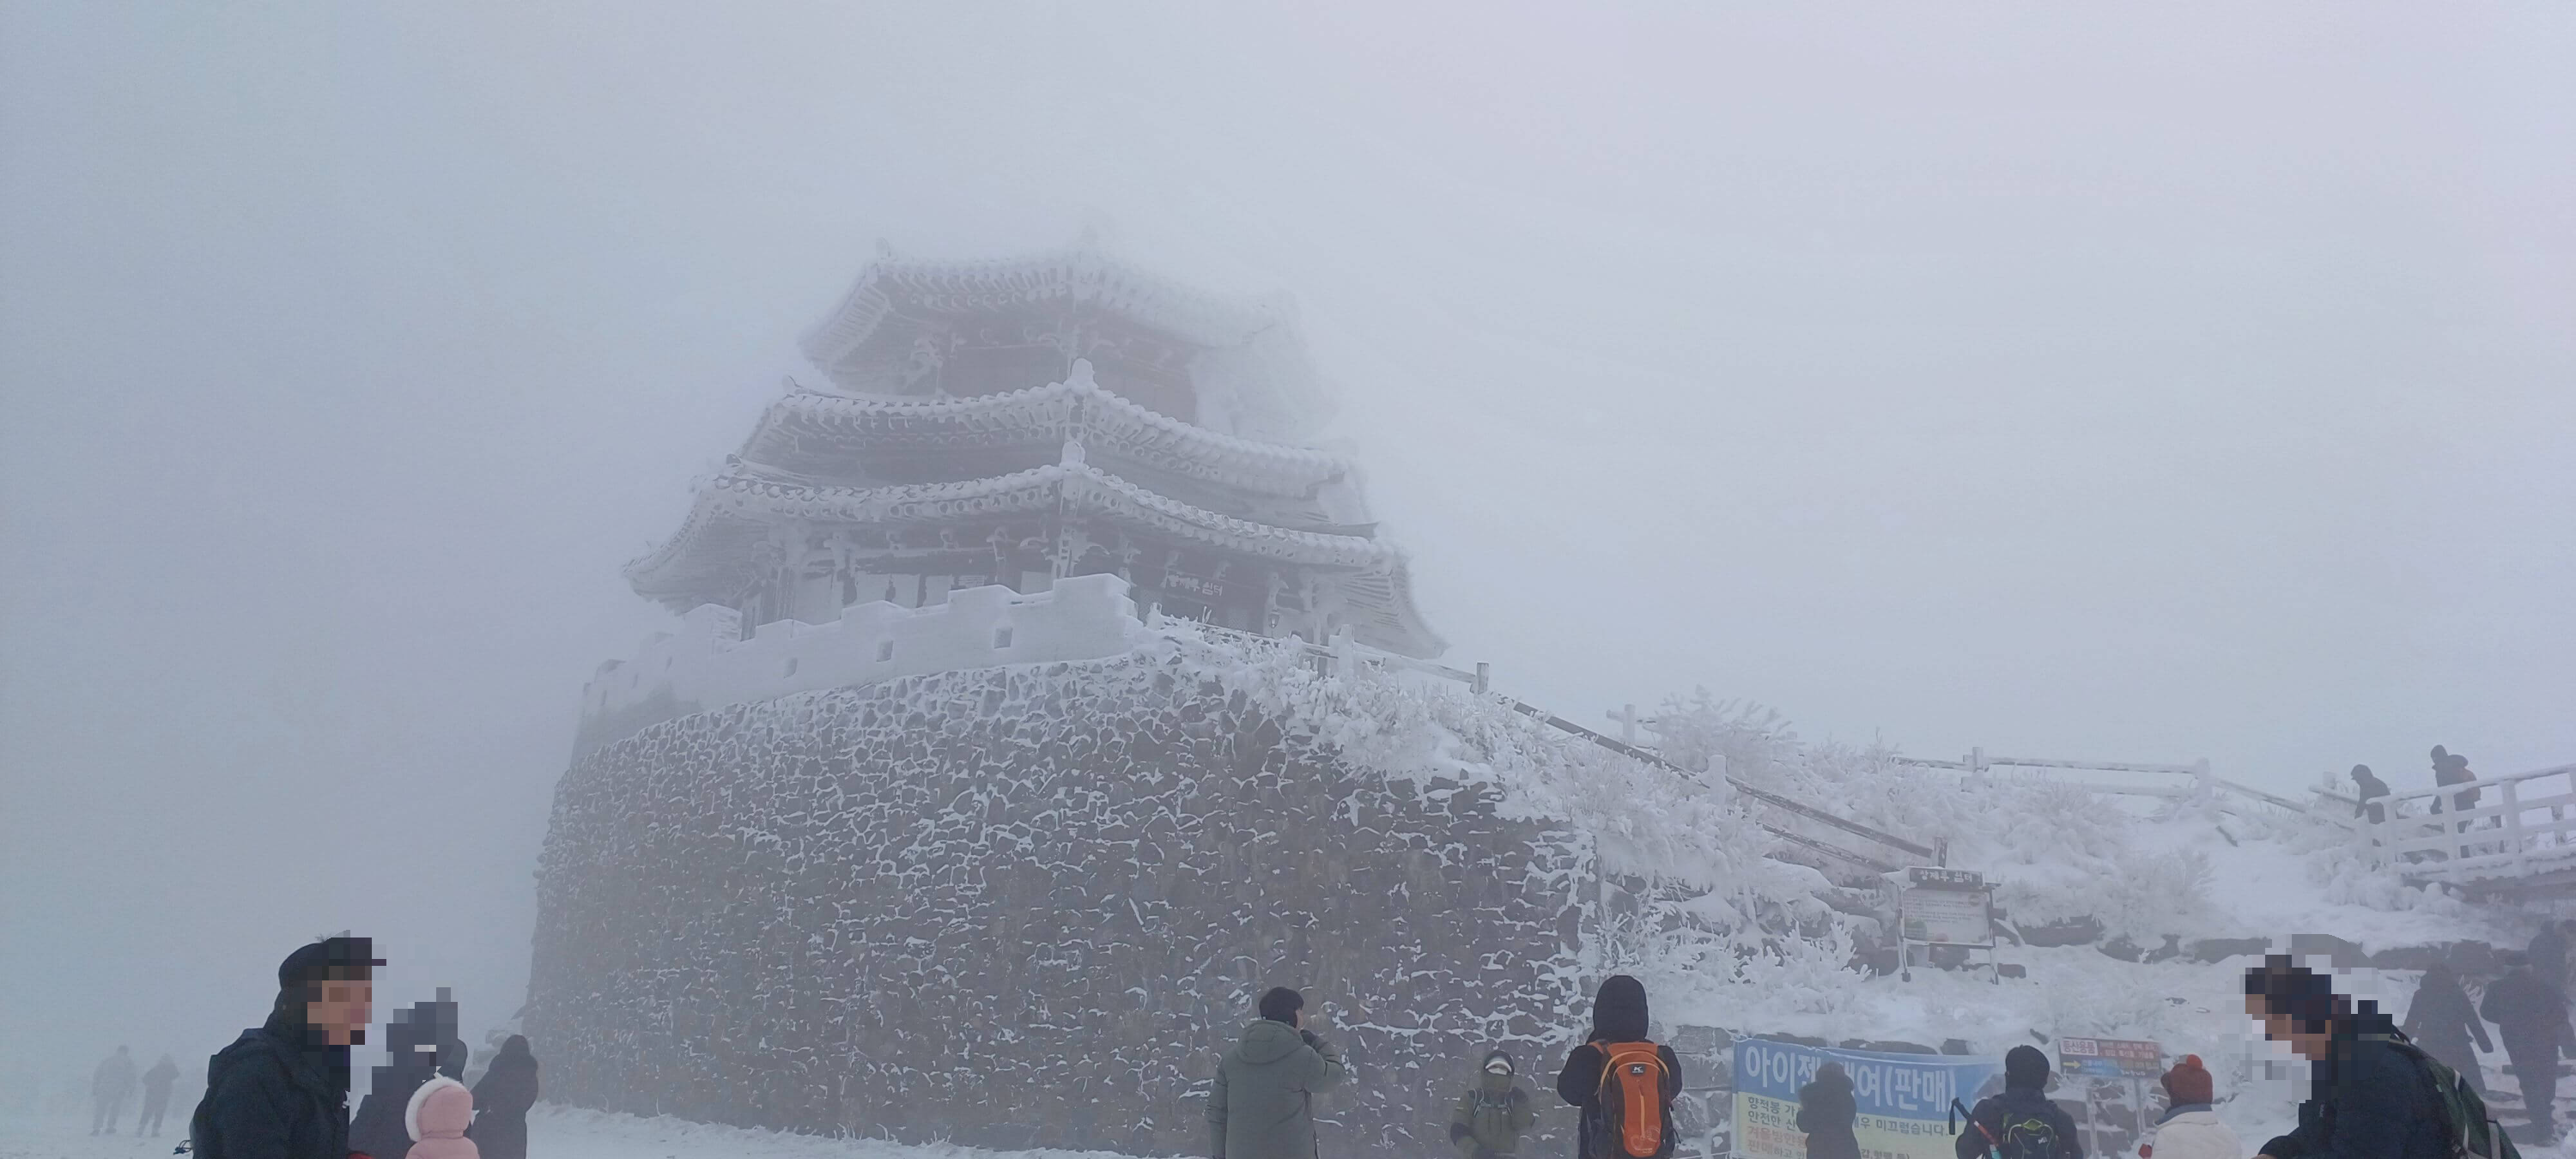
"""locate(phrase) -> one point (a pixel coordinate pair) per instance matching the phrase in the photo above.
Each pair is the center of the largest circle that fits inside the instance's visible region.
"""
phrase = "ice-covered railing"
(2518, 832)
(1818, 832)
(707, 664)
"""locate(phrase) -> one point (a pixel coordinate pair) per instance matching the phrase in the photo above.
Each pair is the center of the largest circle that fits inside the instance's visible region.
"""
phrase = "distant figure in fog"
(108, 1086)
(2549, 954)
(436, 1119)
(2372, 789)
(2531, 1016)
(156, 1095)
(1262, 1103)
(1826, 1110)
(502, 1098)
(2443, 1023)
(1489, 1118)
(2450, 768)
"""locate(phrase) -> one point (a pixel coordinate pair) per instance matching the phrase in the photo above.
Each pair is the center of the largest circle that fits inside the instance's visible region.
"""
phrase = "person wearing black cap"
(420, 1044)
(1618, 1029)
(281, 1090)
(2022, 1122)
(1489, 1118)
(2368, 1097)
(1261, 1105)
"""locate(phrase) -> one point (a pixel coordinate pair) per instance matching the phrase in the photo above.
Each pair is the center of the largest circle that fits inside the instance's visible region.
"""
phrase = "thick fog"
(2138, 385)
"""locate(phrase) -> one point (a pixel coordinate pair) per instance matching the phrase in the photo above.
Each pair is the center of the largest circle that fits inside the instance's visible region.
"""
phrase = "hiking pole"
(1957, 1112)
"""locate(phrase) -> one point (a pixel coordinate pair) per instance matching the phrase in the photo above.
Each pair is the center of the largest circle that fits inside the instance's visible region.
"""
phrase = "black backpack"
(2471, 1132)
(2015, 1135)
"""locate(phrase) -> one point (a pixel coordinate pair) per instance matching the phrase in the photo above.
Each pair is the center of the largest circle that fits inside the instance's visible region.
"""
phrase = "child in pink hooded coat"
(437, 1117)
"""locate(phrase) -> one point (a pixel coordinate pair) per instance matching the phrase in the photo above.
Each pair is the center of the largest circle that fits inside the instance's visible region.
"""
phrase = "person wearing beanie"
(1261, 1104)
(1618, 1017)
(1490, 1116)
(2190, 1127)
(1826, 1111)
(436, 1117)
(281, 1090)
(2021, 1122)
(421, 1043)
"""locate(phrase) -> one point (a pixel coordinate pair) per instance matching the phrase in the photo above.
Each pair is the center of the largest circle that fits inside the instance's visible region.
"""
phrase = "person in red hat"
(2190, 1128)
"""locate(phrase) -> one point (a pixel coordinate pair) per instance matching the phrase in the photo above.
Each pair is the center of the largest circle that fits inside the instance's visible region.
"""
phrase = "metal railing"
(2521, 826)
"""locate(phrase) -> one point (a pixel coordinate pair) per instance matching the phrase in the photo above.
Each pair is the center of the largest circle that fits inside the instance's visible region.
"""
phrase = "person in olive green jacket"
(1489, 1118)
(1263, 1103)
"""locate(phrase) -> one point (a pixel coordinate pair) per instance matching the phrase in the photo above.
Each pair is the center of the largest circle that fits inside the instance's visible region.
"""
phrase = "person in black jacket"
(1618, 1015)
(2369, 1098)
(421, 1044)
(1826, 1110)
(2372, 789)
(501, 1101)
(2531, 1016)
(281, 1091)
(2022, 1122)
(2443, 1023)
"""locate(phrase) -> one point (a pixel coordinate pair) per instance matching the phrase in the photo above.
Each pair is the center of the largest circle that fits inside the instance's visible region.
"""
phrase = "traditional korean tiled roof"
(1080, 273)
(733, 513)
(806, 425)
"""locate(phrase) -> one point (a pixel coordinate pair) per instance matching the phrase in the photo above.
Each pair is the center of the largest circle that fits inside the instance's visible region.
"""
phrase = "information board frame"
(1930, 894)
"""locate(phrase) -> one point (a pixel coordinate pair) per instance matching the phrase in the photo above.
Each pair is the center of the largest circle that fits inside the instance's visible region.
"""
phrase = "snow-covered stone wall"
(1027, 906)
(707, 664)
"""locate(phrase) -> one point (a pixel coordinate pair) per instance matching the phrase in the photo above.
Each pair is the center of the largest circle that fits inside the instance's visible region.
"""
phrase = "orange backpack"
(1631, 1098)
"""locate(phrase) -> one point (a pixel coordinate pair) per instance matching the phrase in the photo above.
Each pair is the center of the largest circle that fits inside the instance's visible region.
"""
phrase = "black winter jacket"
(269, 1096)
(1826, 1110)
(2371, 1102)
(1996, 1113)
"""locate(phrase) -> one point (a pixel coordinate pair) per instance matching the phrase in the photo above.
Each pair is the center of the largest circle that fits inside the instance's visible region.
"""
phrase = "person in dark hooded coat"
(422, 1045)
(1826, 1110)
(281, 1091)
(2442, 1022)
(2022, 1122)
(1618, 1015)
(502, 1098)
(2531, 1016)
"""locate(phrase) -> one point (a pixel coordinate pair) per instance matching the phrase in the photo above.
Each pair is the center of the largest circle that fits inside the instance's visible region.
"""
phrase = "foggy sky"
(2154, 384)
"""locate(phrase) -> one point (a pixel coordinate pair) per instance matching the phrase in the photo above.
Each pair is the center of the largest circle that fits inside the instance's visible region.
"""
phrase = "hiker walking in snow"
(2442, 1022)
(2549, 954)
(2450, 768)
(1489, 1118)
(2368, 1097)
(281, 1091)
(2372, 789)
(502, 1098)
(2021, 1122)
(1623, 1083)
(108, 1086)
(2531, 1016)
(1262, 1102)
(1826, 1111)
(156, 1095)
(2190, 1127)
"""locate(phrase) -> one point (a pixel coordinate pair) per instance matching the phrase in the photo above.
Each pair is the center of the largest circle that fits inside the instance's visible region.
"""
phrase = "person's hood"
(1827, 1077)
(1266, 1042)
(441, 1109)
(1619, 1010)
(2189, 1113)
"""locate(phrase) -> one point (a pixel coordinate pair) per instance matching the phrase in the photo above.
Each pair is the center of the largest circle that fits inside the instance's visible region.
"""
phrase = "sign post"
(2101, 1067)
(1903, 1099)
(1944, 907)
